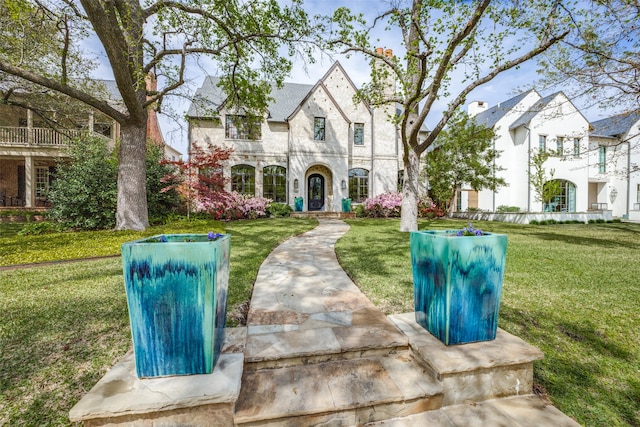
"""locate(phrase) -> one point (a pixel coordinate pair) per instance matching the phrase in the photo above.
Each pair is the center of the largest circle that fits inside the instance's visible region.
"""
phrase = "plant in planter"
(176, 287)
(457, 276)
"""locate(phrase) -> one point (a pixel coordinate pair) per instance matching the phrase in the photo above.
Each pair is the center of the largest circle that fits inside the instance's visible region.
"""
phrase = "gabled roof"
(533, 111)
(490, 117)
(616, 125)
(209, 98)
(315, 87)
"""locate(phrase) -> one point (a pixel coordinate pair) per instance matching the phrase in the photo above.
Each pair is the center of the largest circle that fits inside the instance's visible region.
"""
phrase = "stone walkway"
(316, 352)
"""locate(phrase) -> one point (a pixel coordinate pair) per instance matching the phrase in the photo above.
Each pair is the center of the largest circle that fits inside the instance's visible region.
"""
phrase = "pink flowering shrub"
(388, 205)
(234, 205)
(385, 205)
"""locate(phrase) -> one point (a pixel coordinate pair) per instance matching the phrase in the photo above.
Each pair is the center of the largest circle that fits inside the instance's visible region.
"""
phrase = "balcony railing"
(21, 136)
(598, 207)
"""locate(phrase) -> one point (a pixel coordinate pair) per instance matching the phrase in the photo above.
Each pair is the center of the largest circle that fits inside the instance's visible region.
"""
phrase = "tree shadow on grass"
(579, 240)
(581, 380)
(57, 344)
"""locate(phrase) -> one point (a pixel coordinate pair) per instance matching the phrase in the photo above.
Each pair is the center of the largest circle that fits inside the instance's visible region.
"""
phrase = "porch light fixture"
(344, 184)
(295, 185)
(613, 194)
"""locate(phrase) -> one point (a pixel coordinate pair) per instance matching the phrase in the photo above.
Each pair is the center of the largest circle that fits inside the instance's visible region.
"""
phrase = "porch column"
(29, 127)
(29, 183)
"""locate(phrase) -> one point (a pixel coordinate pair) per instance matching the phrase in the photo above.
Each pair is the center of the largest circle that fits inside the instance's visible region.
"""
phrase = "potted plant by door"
(176, 286)
(457, 277)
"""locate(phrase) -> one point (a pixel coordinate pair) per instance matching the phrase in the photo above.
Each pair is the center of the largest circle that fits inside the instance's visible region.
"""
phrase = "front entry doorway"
(315, 185)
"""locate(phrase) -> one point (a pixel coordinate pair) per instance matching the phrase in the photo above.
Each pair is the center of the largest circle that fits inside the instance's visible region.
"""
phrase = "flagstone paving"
(316, 351)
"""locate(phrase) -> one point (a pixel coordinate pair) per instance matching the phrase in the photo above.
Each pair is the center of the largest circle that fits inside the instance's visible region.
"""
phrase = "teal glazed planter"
(458, 284)
(177, 299)
(297, 203)
(346, 205)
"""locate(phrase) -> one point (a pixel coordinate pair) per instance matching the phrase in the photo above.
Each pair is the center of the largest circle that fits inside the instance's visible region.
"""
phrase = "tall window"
(542, 142)
(358, 185)
(358, 134)
(576, 147)
(638, 195)
(400, 180)
(565, 201)
(602, 159)
(242, 127)
(274, 179)
(560, 145)
(42, 181)
(243, 179)
(318, 128)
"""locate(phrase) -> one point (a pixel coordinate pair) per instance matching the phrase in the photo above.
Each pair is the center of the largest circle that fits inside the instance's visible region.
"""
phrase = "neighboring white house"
(315, 142)
(615, 148)
(593, 162)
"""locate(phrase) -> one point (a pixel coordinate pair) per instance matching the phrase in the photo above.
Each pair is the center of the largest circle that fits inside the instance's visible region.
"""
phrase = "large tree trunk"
(132, 213)
(410, 192)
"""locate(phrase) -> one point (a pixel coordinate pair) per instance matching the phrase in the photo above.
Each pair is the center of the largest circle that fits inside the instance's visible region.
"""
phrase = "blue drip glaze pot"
(458, 284)
(177, 300)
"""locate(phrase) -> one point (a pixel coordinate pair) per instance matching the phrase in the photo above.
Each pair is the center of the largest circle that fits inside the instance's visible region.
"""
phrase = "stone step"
(520, 411)
(322, 337)
(473, 372)
(323, 214)
(337, 393)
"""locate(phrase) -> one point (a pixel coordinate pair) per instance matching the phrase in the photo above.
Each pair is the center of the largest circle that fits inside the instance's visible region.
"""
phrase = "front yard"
(571, 290)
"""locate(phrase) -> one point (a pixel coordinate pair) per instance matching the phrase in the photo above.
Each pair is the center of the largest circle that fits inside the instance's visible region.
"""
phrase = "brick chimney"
(154, 134)
(388, 53)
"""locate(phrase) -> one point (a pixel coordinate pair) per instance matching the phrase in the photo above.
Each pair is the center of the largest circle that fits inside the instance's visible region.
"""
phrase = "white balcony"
(28, 137)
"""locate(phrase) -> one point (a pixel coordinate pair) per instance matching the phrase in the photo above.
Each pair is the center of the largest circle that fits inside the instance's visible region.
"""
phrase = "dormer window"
(242, 127)
(318, 128)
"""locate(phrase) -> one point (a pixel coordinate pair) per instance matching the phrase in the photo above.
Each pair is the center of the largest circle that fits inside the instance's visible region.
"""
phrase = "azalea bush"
(233, 205)
(387, 205)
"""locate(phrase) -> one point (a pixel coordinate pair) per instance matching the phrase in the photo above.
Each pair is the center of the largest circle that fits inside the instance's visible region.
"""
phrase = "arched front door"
(315, 187)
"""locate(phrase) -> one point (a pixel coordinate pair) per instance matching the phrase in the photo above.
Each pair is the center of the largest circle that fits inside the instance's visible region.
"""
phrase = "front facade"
(591, 167)
(315, 143)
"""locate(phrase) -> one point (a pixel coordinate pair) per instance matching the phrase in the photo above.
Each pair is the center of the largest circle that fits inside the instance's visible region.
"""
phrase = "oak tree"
(238, 40)
(450, 49)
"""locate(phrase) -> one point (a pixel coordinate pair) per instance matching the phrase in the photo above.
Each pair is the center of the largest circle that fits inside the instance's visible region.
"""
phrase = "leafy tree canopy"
(463, 154)
(240, 41)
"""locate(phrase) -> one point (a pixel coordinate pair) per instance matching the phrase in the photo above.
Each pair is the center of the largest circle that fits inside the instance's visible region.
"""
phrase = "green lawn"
(64, 325)
(571, 290)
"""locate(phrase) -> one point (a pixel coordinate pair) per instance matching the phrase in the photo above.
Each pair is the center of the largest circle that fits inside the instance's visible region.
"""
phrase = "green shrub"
(534, 222)
(37, 228)
(592, 221)
(505, 208)
(84, 193)
(473, 210)
(600, 221)
(359, 210)
(279, 210)
(161, 200)
(616, 220)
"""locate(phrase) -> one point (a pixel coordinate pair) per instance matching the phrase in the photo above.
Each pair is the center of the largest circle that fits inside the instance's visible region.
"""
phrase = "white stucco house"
(592, 161)
(524, 124)
(615, 164)
(315, 142)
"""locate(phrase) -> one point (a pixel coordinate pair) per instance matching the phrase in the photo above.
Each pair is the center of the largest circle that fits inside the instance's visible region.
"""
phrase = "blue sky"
(499, 89)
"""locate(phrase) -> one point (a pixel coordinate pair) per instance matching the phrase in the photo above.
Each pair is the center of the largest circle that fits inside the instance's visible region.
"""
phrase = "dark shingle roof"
(533, 111)
(616, 125)
(491, 116)
(209, 97)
